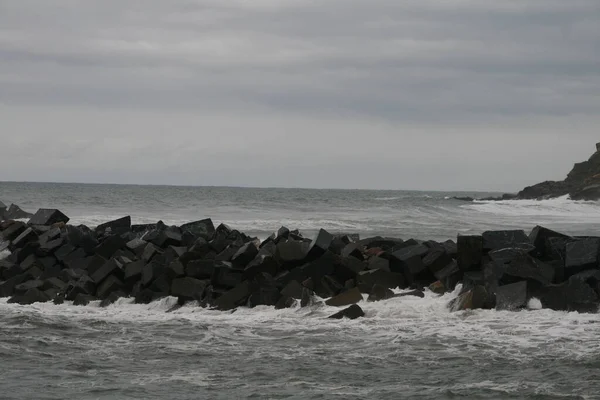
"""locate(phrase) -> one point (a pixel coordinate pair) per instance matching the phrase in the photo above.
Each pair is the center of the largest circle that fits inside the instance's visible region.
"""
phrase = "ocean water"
(405, 347)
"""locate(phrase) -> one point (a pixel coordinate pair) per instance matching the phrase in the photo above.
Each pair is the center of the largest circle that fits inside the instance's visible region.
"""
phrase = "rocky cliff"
(582, 183)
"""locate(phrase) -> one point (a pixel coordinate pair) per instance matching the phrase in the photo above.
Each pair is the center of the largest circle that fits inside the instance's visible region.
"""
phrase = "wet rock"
(147, 296)
(436, 259)
(317, 269)
(109, 285)
(51, 246)
(285, 302)
(266, 295)
(319, 245)
(379, 263)
(54, 283)
(329, 287)
(15, 212)
(261, 264)
(470, 300)
(203, 228)
(152, 271)
(351, 296)
(347, 268)
(236, 296)
(85, 285)
(109, 246)
(27, 236)
(62, 252)
(539, 237)
(581, 255)
(379, 293)
(352, 312)
(45, 216)
(112, 298)
(572, 295)
(493, 240)
(225, 276)
(165, 238)
(82, 236)
(293, 289)
(438, 287)
(188, 288)
(511, 297)
(387, 279)
(416, 293)
(136, 245)
(31, 296)
(353, 250)
(109, 267)
(291, 253)
(307, 297)
(7, 288)
(470, 252)
(244, 255)
(25, 286)
(116, 226)
(200, 269)
(83, 299)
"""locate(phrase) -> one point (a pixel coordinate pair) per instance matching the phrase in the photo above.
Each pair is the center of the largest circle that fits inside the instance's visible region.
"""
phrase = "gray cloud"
(374, 79)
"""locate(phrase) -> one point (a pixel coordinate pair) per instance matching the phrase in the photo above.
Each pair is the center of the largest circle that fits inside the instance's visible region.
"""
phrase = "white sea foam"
(4, 254)
(555, 208)
(386, 198)
(393, 321)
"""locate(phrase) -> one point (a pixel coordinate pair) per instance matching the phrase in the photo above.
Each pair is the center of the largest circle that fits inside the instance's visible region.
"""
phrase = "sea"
(404, 348)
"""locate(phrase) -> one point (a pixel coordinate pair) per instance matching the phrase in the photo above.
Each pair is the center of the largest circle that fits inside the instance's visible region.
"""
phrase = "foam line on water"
(405, 319)
(561, 207)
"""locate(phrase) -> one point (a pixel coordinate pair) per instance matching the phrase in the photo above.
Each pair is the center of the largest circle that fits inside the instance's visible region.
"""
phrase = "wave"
(557, 207)
(393, 321)
(387, 198)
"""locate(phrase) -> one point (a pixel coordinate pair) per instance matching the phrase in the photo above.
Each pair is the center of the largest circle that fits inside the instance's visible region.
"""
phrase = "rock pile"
(223, 268)
(582, 183)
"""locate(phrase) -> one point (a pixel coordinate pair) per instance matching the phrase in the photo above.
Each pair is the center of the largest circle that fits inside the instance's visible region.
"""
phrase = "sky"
(378, 94)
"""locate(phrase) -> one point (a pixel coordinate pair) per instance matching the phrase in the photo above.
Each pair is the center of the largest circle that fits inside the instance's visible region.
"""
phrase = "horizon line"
(250, 187)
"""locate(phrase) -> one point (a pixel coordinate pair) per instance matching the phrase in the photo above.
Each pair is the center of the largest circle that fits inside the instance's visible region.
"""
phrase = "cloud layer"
(254, 92)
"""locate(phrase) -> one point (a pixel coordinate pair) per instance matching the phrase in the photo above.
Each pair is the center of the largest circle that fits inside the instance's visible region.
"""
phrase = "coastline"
(222, 268)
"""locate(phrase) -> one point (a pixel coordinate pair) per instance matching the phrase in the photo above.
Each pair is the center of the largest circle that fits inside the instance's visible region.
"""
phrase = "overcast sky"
(423, 94)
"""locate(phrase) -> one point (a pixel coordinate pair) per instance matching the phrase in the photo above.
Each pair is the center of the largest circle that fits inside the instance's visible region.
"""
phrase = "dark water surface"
(404, 348)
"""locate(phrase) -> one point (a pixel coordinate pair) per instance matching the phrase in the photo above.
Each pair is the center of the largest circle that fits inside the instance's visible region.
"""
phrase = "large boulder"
(46, 216)
(390, 280)
(109, 246)
(572, 295)
(13, 229)
(188, 288)
(291, 253)
(244, 255)
(31, 296)
(581, 255)
(352, 312)
(203, 228)
(116, 226)
(236, 296)
(470, 252)
(27, 236)
(348, 297)
(493, 240)
(379, 293)
(319, 245)
(15, 212)
(475, 298)
(511, 297)
(539, 238)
